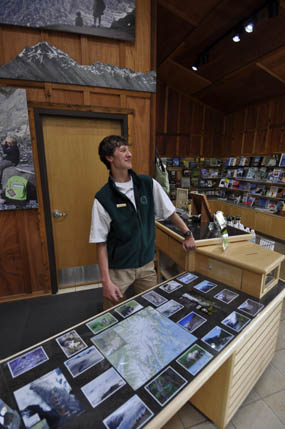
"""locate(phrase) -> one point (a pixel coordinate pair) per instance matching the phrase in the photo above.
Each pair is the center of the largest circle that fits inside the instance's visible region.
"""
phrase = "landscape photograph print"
(17, 173)
(114, 19)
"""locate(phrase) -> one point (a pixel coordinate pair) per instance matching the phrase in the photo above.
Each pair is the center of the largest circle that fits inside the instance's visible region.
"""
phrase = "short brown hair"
(108, 145)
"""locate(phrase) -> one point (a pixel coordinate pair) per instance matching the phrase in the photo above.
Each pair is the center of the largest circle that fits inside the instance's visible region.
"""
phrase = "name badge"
(121, 205)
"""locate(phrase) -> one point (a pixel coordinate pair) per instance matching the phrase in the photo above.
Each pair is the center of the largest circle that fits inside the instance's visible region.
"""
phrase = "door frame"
(39, 114)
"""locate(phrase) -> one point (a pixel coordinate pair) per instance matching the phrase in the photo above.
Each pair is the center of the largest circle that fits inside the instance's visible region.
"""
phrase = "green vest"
(131, 240)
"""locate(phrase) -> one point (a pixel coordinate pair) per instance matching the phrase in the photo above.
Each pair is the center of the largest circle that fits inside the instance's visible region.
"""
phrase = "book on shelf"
(250, 201)
(269, 161)
(214, 162)
(204, 172)
(261, 174)
(235, 184)
(261, 202)
(239, 172)
(260, 189)
(271, 205)
(185, 182)
(282, 160)
(244, 161)
(244, 198)
(213, 172)
(252, 188)
(255, 161)
(230, 173)
(251, 173)
(244, 186)
(275, 175)
(230, 162)
(272, 191)
(237, 199)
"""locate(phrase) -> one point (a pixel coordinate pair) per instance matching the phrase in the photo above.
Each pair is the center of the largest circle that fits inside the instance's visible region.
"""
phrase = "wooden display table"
(218, 388)
(244, 265)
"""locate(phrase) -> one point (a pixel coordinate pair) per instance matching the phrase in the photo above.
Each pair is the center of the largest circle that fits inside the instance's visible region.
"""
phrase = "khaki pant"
(142, 279)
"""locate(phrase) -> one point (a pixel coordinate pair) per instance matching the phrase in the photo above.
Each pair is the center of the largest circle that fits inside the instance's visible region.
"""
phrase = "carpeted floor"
(26, 322)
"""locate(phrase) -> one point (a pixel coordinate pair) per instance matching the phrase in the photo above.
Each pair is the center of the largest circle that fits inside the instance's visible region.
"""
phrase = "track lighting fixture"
(245, 25)
(204, 57)
(273, 8)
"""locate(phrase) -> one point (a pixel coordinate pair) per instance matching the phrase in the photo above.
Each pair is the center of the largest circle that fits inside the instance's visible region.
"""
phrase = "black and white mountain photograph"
(17, 175)
(45, 63)
(115, 19)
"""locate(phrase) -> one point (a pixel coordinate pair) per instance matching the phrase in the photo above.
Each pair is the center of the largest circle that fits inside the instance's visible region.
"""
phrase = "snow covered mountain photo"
(117, 17)
(44, 62)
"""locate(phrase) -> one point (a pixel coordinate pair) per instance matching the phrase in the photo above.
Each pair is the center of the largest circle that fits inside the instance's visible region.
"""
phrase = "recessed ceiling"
(237, 74)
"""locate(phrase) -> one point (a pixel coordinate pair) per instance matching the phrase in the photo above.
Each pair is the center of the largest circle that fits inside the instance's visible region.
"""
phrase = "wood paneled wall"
(186, 127)
(24, 265)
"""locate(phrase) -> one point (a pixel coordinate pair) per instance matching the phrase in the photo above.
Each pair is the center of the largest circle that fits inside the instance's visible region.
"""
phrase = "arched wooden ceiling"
(237, 74)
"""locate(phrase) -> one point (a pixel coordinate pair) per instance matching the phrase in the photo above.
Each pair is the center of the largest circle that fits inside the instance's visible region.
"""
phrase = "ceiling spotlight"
(196, 65)
(249, 27)
(236, 37)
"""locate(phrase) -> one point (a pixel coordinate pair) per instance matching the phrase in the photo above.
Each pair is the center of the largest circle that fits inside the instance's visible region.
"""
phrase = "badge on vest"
(143, 200)
(121, 205)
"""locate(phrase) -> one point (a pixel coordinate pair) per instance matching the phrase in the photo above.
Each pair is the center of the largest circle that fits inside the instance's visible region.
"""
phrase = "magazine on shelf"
(239, 172)
(244, 160)
(244, 198)
(235, 184)
(185, 182)
(261, 173)
(272, 191)
(282, 160)
(269, 161)
(260, 189)
(251, 172)
(250, 201)
(255, 161)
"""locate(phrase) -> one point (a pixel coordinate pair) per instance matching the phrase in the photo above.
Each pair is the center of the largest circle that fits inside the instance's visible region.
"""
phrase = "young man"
(123, 223)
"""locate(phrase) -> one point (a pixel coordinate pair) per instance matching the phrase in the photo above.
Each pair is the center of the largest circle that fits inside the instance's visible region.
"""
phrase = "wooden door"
(74, 174)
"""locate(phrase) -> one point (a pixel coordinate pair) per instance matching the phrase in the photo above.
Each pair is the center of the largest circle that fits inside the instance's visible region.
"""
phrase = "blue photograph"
(27, 361)
(83, 361)
(205, 286)
(217, 338)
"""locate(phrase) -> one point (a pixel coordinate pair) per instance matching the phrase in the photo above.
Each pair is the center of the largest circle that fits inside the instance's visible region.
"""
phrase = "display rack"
(257, 181)
(195, 174)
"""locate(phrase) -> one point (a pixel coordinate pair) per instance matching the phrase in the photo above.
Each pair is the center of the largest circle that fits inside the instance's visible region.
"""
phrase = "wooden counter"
(244, 265)
(170, 242)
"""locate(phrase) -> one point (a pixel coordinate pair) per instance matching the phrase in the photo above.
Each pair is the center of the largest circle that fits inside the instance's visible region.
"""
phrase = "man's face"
(122, 158)
(9, 141)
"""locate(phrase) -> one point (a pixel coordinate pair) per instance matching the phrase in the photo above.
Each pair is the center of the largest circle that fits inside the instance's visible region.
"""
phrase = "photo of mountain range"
(104, 18)
(46, 63)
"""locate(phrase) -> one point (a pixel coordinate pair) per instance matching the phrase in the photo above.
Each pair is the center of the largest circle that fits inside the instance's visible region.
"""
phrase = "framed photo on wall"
(114, 19)
(17, 174)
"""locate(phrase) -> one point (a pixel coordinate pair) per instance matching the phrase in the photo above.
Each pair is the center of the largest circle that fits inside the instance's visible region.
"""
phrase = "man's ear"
(109, 158)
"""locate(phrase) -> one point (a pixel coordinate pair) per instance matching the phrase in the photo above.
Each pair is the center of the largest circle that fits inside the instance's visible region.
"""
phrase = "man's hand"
(189, 243)
(111, 292)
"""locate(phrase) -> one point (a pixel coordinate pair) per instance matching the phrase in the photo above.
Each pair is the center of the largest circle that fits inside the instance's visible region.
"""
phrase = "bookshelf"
(195, 174)
(257, 182)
